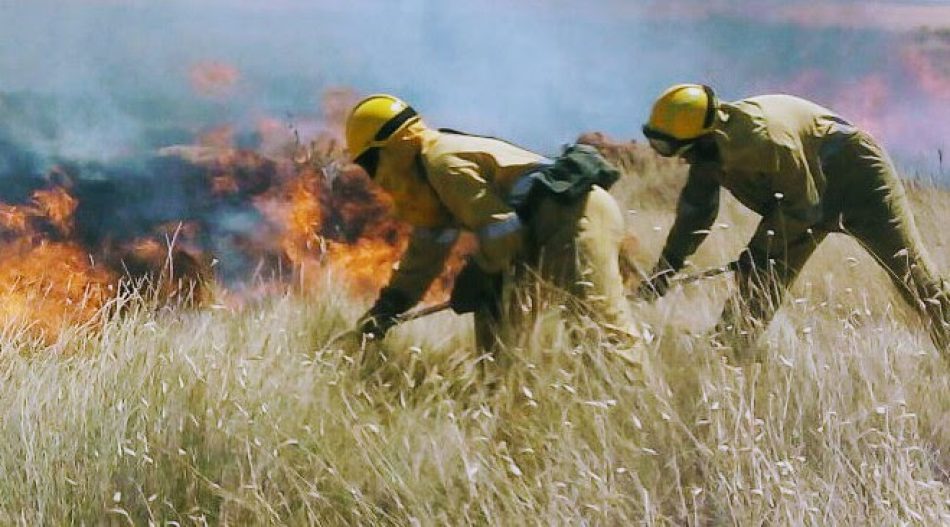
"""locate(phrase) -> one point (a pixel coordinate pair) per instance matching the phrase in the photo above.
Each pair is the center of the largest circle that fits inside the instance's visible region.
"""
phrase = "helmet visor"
(369, 161)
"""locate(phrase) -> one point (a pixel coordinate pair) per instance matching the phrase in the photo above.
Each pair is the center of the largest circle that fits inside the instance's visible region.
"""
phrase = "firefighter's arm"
(696, 211)
(418, 267)
(795, 208)
(422, 262)
(469, 197)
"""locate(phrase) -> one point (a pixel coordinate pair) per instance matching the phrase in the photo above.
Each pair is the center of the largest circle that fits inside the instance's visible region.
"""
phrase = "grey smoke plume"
(117, 74)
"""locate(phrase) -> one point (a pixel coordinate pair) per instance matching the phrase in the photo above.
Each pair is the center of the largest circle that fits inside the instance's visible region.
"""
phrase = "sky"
(99, 78)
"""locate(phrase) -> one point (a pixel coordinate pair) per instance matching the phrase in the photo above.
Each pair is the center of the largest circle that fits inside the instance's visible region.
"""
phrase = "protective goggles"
(369, 160)
(666, 145)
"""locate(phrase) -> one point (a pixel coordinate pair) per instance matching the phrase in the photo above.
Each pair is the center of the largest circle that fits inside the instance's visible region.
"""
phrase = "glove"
(657, 284)
(384, 313)
(475, 288)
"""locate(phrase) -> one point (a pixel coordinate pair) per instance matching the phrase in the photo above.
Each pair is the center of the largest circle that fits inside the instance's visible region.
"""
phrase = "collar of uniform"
(723, 121)
(723, 114)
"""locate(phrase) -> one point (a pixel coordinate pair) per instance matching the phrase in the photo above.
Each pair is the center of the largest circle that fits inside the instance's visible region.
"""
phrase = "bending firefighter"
(531, 216)
(809, 173)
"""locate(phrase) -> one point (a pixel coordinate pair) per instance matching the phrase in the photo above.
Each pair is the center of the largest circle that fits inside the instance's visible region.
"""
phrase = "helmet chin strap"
(702, 149)
(684, 149)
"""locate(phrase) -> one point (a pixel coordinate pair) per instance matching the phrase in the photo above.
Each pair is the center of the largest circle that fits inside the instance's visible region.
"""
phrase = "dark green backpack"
(575, 171)
(569, 179)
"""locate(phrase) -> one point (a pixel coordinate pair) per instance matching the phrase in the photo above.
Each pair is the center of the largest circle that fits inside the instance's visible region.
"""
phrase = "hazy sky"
(538, 72)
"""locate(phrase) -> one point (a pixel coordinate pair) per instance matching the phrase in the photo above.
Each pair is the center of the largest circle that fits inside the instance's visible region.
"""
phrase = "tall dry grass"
(242, 417)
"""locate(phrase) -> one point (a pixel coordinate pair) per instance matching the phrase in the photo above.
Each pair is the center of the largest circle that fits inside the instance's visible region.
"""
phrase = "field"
(253, 416)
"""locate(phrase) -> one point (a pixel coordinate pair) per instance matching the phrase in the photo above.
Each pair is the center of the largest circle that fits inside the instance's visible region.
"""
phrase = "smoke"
(122, 76)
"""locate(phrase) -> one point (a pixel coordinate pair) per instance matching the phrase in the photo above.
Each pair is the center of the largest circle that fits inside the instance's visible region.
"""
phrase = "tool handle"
(708, 273)
(424, 312)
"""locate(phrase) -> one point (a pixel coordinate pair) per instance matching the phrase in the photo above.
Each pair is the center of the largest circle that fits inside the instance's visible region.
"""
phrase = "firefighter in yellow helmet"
(526, 211)
(807, 172)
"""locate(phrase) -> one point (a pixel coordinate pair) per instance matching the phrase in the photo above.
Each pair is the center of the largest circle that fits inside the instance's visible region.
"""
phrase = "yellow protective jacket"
(457, 182)
(770, 152)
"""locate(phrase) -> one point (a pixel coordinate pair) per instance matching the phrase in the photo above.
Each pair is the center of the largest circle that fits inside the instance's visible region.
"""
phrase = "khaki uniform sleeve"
(469, 197)
(795, 210)
(423, 261)
(696, 211)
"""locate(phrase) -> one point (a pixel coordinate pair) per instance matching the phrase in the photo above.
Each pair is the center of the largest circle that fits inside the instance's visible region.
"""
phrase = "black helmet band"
(710, 107)
(395, 123)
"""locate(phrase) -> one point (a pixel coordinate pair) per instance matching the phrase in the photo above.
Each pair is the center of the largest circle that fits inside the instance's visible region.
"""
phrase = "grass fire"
(188, 222)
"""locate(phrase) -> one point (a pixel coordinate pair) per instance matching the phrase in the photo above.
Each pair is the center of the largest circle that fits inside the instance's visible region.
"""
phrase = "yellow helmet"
(373, 121)
(682, 113)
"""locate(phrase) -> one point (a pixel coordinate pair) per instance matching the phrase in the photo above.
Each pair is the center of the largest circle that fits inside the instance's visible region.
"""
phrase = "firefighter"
(531, 216)
(807, 172)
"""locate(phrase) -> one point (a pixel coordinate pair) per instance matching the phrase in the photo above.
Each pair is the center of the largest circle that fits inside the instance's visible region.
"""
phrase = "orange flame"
(58, 206)
(50, 285)
(49, 281)
(46, 283)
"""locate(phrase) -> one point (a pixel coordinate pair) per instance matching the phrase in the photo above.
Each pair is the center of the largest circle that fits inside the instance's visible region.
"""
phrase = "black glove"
(383, 315)
(475, 288)
(657, 282)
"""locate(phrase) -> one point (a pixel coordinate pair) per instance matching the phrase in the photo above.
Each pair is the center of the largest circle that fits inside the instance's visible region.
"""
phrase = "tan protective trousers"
(872, 208)
(572, 259)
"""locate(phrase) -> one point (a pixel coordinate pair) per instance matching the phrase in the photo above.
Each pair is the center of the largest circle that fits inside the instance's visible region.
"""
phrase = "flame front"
(47, 281)
(283, 215)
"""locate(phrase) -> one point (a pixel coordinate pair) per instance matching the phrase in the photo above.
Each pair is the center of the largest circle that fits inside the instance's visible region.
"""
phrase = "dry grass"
(248, 417)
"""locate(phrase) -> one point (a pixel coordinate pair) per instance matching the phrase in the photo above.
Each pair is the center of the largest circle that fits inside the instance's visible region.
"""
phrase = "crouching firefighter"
(531, 216)
(808, 172)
